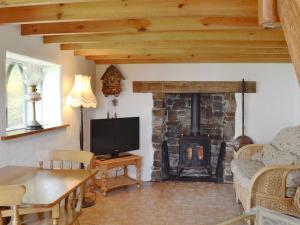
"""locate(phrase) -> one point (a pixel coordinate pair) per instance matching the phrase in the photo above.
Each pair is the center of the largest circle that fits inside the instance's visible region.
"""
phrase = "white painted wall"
(21, 151)
(297, 115)
(274, 106)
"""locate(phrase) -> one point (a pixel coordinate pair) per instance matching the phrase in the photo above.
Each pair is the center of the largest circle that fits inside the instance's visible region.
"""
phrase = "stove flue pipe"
(195, 117)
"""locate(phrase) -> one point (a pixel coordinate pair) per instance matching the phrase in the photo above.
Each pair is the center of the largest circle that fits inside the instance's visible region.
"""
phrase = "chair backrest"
(11, 195)
(65, 159)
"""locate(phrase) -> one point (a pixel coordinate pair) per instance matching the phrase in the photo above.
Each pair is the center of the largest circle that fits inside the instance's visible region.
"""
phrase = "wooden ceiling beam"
(267, 14)
(215, 60)
(13, 3)
(178, 44)
(191, 51)
(142, 25)
(289, 14)
(196, 57)
(221, 35)
(128, 9)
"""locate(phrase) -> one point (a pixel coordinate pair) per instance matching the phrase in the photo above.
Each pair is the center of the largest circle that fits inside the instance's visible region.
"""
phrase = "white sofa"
(269, 175)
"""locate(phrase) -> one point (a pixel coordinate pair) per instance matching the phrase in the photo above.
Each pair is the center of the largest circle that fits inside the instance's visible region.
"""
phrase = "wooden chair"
(11, 196)
(65, 159)
(68, 159)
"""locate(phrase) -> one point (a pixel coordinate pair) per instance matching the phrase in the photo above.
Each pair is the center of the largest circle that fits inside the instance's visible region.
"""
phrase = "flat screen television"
(115, 136)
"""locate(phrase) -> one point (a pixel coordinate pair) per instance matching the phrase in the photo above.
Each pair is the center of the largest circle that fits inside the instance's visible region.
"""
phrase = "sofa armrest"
(270, 178)
(297, 199)
(248, 150)
(271, 181)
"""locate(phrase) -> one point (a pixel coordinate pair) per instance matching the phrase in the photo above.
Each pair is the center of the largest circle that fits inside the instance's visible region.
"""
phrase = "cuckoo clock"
(112, 81)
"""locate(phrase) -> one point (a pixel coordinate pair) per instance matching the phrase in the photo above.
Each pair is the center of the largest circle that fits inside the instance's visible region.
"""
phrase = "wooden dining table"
(45, 188)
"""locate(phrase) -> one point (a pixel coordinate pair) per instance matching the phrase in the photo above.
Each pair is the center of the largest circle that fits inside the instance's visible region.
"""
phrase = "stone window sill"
(22, 132)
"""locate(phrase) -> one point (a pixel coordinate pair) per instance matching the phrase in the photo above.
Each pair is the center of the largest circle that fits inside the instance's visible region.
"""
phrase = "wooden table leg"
(2, 221)
(138, 173)
(55, 214)
(80, 199)
(126, 171)
(16, 217)
(104, 182)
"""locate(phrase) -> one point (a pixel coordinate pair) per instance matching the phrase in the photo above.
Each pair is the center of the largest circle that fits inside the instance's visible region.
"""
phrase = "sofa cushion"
(288, 140)
(244, 170)
(292, 182)
(258, 156)
(273, 156)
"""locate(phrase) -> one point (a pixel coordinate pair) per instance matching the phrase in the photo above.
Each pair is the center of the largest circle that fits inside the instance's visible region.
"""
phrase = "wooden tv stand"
(104, 165)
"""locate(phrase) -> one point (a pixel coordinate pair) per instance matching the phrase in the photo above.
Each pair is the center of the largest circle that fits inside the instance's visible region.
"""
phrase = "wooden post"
(289, 14)
(267, 14)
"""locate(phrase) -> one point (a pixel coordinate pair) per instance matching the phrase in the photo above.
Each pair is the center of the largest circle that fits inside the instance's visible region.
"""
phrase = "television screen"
(113, 136)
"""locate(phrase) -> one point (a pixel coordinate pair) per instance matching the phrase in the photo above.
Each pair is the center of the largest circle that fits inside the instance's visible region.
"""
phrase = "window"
(15, 97)
(18, 110)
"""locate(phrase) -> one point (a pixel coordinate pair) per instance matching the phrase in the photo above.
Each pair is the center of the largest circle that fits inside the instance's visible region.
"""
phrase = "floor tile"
(165, 203)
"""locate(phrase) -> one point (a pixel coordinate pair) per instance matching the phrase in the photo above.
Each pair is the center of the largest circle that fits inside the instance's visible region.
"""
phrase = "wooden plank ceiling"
(289, 13)
(151, 31)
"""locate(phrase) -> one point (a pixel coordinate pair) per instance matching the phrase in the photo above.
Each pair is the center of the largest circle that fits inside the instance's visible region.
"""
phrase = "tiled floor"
(168, 203)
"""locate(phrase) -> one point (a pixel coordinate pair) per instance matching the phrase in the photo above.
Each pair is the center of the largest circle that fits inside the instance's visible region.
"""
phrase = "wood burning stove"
(194, 153)
(195, 149)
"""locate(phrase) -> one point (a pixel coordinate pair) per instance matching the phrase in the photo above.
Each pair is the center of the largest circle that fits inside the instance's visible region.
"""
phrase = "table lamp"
(32, 77)
(82, 96)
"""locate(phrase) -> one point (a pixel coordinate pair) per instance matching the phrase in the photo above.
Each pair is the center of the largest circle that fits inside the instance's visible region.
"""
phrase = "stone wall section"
(158, 133)
(172, 118)
(178, 123)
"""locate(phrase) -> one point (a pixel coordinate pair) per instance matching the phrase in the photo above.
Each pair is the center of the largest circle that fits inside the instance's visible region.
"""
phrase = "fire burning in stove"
(189, 152)
(200, 152)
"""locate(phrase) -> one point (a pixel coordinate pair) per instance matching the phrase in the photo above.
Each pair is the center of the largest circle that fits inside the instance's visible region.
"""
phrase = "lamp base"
(34, 128)
(34, 125)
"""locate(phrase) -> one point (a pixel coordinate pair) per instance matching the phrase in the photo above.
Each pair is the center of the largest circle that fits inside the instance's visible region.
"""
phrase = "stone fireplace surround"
(172, 118)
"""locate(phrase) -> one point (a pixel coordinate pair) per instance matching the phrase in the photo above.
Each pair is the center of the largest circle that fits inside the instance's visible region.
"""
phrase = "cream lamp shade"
(81, 93)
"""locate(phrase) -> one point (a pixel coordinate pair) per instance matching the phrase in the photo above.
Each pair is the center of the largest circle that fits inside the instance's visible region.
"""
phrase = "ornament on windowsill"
(112, 87)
